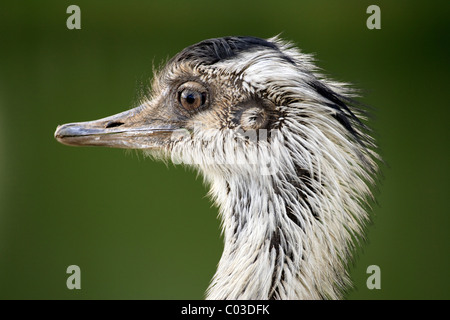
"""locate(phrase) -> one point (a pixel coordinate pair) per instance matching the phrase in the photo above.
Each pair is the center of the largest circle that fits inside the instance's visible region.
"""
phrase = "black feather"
(211, 51)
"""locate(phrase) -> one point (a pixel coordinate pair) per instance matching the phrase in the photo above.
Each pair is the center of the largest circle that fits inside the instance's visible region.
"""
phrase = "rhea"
(287, 154)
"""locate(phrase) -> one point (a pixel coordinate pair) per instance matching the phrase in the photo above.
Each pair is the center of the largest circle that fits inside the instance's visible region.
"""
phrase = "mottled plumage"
(285, 151)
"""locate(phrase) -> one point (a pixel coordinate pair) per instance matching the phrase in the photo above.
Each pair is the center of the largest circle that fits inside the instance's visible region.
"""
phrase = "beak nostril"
(113, 124)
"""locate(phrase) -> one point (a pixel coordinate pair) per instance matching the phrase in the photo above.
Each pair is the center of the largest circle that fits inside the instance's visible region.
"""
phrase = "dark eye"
(192, 96)
(190, 99)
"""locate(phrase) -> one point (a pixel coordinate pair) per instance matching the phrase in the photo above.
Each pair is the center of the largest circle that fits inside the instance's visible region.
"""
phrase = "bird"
(287, 153)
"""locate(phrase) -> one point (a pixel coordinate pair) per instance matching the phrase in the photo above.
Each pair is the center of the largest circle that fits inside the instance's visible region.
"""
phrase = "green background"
(139, 229)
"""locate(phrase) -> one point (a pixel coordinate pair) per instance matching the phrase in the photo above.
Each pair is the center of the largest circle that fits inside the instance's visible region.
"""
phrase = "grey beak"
(131, 129)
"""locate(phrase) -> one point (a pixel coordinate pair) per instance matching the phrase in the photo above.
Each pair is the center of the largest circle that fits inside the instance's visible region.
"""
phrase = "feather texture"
(293, 195)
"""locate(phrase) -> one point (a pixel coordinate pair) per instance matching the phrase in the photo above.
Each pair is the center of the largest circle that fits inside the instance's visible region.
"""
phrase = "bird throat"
(264, 247)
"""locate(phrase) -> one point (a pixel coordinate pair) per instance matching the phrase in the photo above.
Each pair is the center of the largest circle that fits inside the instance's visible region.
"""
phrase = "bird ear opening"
(253, 114)
(254, 118)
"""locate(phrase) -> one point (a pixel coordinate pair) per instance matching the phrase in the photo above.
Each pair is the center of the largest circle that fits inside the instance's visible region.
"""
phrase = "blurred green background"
(141, 230)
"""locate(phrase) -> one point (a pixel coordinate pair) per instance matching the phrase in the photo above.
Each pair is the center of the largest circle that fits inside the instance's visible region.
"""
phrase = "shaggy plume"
(293, 205)
(286, 152)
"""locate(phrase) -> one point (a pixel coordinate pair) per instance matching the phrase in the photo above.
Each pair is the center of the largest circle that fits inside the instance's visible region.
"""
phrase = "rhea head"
(284, 149)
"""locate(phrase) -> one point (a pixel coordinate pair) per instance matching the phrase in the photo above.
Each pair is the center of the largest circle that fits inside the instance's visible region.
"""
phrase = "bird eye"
(192, 96)
(190, 99)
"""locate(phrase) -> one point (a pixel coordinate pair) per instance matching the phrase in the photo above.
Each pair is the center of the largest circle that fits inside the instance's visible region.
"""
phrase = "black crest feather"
(214, 50)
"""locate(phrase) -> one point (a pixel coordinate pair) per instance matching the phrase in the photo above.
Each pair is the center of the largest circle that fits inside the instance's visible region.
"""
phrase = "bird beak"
(131, 129)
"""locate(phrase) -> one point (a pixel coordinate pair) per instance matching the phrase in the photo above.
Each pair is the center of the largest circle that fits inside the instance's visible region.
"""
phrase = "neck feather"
(289, 234)
(276, 246)
(289, 231)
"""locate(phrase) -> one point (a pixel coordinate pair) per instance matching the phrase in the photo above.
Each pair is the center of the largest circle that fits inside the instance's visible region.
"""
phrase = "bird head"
(228, 104)
(285, 149)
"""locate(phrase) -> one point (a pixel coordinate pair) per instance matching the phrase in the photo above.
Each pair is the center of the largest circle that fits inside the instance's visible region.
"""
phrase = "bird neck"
(272, 248)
